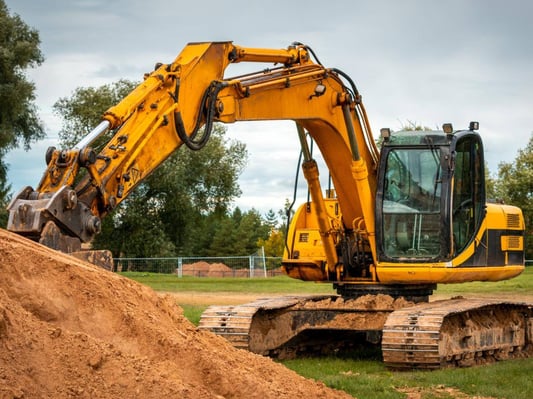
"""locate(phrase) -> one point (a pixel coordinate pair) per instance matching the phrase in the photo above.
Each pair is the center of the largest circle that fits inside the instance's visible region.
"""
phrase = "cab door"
(468, 191)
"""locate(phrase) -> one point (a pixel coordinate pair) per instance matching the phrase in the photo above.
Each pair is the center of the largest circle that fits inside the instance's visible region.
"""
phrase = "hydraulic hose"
(289, 209)
(208, 104)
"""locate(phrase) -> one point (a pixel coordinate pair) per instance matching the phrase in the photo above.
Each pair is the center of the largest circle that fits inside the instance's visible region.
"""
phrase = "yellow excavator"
(397, 221)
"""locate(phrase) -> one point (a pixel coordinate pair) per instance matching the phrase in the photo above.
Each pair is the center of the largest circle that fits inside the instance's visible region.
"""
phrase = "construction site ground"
(71, 330)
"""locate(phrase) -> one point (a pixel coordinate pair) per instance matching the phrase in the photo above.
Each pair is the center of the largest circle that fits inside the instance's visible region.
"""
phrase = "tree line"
(185, 208)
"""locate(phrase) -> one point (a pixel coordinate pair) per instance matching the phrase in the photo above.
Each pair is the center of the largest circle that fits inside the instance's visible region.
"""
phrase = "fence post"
(251, 258)
(264, 261)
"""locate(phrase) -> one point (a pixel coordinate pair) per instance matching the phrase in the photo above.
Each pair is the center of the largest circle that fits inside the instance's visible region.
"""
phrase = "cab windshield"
(411, 203)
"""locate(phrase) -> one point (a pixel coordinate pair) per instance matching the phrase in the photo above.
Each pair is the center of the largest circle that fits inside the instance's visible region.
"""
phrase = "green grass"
(362, 374)
(193, 312)
(368, 378)
(522, 284)
(272, 285)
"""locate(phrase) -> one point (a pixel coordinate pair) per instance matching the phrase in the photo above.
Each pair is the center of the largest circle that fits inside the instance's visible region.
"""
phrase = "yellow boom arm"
(168, 109)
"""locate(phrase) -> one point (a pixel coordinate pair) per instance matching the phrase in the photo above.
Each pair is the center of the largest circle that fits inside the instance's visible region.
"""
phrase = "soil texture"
(71, 330)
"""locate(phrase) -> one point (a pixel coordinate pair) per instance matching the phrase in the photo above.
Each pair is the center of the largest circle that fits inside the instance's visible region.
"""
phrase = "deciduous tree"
(82, 111)
(515, 185)
(19, 121)
(175, 210)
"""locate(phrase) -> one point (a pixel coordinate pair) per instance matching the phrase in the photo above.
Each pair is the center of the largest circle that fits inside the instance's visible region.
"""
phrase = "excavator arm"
(169, 108)
(418, 219)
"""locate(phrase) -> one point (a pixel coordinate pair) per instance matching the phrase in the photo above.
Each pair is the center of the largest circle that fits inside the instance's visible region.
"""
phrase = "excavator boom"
(168, 109)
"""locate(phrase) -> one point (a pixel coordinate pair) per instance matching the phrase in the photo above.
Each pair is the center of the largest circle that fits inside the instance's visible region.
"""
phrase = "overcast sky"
(423, 61)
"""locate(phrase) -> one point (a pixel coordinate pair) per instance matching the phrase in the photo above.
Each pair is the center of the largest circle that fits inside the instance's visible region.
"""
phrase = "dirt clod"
(70, 329)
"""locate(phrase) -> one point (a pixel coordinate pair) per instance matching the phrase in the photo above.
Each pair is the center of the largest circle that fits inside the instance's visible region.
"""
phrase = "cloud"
(414, 60)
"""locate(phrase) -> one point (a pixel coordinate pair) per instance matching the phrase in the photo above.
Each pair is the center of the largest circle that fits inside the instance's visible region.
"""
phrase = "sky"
(414, 61)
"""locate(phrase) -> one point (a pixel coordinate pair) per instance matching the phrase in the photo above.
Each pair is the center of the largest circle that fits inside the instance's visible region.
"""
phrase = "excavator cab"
(431, 209)
(431, 196)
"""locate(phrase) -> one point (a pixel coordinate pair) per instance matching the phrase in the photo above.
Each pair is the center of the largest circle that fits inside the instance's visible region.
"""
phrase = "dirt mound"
(204, 269)
(69, 329)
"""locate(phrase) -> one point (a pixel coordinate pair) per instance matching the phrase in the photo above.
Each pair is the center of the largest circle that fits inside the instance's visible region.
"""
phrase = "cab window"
(411, 224)
(468, 196)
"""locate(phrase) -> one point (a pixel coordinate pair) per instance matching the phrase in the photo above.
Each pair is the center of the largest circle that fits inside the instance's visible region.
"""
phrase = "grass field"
(273, 285)
(522, 284)
(362, 374)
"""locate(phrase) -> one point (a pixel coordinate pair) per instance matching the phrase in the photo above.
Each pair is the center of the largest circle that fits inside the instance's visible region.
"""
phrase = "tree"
(82, 111)
(250, 230)
(176, 209)
(180, 205)
(414, 127)
(491, 183)
(4, 202)
(225, 240)
(126, 234)
(515, 185)
(274, 245)
(196, 188)
(271, 219)
(19, 122)
(239, 234)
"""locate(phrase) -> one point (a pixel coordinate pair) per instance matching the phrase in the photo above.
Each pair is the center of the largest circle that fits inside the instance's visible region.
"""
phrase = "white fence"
(227, 266)
(195, 266)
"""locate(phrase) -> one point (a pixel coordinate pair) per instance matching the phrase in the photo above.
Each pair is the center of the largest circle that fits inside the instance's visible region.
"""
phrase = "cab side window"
(468, 192)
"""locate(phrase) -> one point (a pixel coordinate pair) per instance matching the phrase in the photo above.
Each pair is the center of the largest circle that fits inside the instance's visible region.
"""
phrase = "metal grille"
(513, 221)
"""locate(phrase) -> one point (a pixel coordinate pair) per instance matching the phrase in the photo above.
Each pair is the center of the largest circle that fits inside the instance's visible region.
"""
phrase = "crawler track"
(457, 332)
(448, 333)
(234, 322)
(286, 327)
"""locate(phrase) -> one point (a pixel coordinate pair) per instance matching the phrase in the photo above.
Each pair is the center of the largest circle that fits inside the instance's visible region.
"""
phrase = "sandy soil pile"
(204, 269)
(68, 329)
